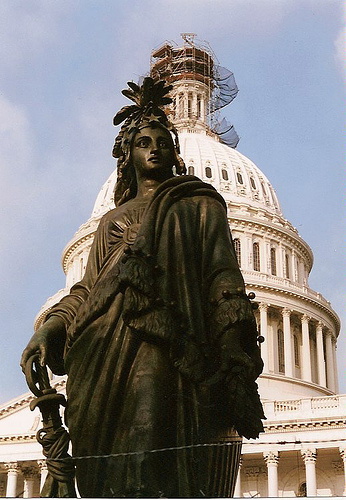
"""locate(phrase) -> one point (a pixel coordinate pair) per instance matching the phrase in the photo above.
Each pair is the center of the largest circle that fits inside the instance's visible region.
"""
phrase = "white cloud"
(340, 50)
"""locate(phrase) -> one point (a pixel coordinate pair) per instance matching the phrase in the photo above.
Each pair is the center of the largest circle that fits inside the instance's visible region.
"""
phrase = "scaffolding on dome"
(197, 62)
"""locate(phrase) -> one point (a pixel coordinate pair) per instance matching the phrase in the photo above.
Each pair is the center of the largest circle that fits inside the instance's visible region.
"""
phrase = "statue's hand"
(235, 359)
(47, 342)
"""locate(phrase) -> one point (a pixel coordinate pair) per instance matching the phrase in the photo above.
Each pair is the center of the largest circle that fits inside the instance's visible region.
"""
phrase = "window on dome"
(256, 257)
(189, 106)
(240, 178)
(208, 172)
(253, 183)
(81, 268)
(273, 261)
(191, 170)
(264, 189)
(287, 266)
(224, 174)
(296, 350)
(199, 113)
(181, 105)
(237, 247)
(281, 351)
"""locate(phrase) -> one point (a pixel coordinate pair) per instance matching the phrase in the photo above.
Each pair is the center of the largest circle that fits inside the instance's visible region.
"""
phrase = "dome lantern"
(201, 87)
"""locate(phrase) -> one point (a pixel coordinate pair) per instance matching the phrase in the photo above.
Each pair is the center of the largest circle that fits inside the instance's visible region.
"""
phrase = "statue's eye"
(143, 143)
(163, 144)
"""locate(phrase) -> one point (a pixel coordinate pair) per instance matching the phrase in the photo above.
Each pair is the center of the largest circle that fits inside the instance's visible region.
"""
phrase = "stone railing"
(306, 408)
(286, 284)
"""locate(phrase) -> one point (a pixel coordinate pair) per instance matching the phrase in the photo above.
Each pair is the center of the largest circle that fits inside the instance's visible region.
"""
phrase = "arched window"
(287, 264)
(253, 183)
(256, 257)
(237, 247)
(281, 351)
(264, 190)
(224, 174)
(191, 170)
(208, 172)
(296, 350)
(240, 178)
(273, 261)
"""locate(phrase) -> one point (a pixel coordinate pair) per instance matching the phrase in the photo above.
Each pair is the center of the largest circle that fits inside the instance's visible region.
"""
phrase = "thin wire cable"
(191, 446)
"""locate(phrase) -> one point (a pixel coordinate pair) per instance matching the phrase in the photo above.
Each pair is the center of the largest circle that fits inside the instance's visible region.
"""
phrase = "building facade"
(303, 449)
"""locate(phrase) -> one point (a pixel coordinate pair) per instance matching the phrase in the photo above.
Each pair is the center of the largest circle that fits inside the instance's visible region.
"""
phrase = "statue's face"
(152, 152)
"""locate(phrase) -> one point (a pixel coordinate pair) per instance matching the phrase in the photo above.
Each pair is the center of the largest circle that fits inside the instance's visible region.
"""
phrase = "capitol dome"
(302, 450)
(299, 326)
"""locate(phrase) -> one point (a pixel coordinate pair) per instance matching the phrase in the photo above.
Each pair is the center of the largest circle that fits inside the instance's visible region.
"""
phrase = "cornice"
(18, 438)
(296, 425)
(300, 296)
(24, 401)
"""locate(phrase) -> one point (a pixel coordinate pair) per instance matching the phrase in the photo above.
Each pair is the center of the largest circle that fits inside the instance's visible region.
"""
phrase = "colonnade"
(198, 106)
(272, 461)
(31, 473)
(325, 347)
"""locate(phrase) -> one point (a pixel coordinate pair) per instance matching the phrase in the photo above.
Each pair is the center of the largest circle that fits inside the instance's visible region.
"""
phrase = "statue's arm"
(49, 340)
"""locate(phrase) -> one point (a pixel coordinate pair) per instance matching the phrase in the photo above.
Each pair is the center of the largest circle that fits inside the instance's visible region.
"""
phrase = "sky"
(63, 65)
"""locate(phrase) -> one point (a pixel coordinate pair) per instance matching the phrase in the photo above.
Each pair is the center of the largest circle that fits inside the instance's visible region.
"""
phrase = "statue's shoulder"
(125, 211)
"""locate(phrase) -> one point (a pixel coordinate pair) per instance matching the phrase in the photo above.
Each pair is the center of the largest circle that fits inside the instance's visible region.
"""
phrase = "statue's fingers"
(43, 355)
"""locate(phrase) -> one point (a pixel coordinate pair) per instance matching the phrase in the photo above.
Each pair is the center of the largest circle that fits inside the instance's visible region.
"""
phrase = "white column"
(43, 472)
(343, 456)
(29, 477)
(309, 457)
(287, 342)
(272, 460)
(264, 331)
(330, 364)
(306, 361)
(194, 105)
(177, 106)
(280, 262)
(294, 267)
(336, 381)
(12, 476)
(203, 108)
(237, 489)
(320, 355)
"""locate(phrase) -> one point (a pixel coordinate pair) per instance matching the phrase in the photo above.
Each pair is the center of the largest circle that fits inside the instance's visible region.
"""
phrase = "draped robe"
(149, 347)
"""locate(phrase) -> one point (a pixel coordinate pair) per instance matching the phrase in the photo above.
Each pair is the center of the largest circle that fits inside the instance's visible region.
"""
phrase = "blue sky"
(63, 65)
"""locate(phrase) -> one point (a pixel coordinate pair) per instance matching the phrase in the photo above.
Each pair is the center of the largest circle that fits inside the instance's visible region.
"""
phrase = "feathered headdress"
(149, 99)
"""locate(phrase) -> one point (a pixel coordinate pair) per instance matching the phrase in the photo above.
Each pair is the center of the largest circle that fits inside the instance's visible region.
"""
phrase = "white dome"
(299, 324)
(235, 176)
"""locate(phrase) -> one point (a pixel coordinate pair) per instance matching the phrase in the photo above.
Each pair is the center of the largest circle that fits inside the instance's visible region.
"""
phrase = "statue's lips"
(155, 159)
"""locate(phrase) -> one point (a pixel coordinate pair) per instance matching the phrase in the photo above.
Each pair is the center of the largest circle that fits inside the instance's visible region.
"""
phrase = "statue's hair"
(149, 100)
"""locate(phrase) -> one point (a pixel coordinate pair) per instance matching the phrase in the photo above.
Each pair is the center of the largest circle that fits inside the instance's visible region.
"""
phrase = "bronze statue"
(158, 339)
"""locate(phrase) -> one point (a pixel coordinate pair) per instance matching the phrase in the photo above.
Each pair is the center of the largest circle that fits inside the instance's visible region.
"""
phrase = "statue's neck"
(146, 188)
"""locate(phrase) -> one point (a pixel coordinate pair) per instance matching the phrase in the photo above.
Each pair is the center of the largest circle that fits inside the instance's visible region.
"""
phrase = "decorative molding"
(42, 464)
(309, 455)
(286, 313)
(23, 402)
(255, 471)
(338, 466)
(28, 472)
(11, 467)
(271, 458)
